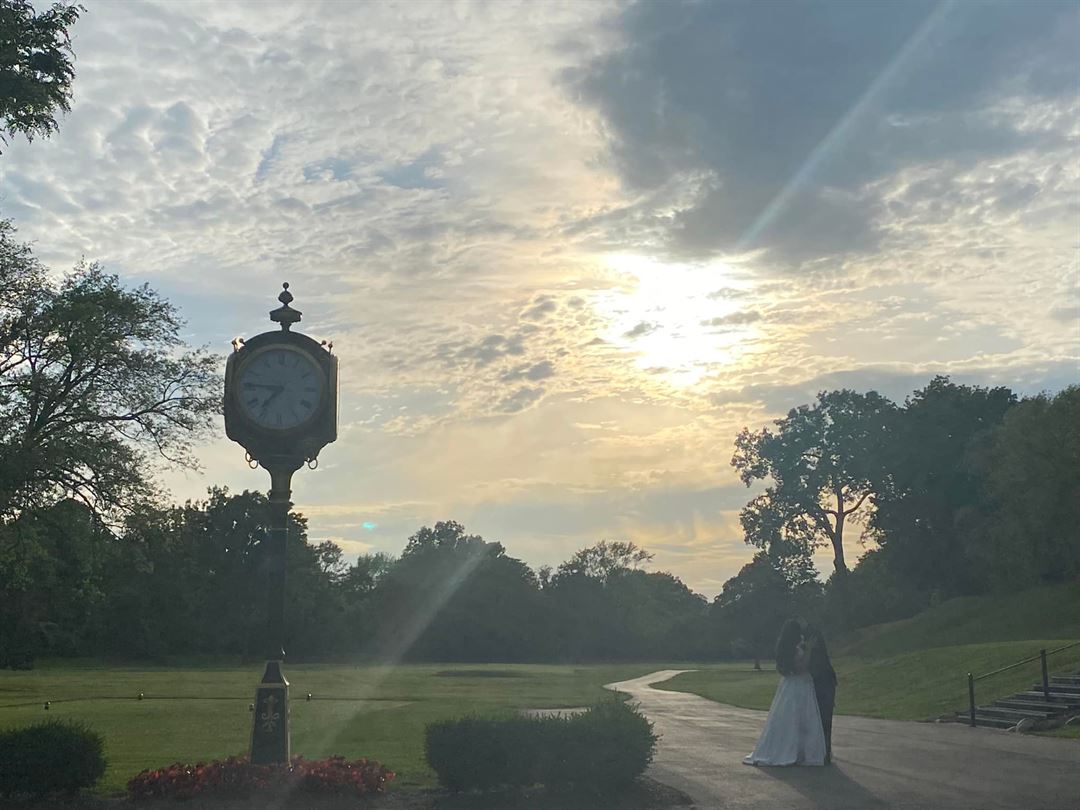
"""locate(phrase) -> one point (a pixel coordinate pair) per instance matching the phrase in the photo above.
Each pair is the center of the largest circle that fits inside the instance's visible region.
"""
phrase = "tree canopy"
(95, 384)
(36, 67)
(935, 486)
(822, 460)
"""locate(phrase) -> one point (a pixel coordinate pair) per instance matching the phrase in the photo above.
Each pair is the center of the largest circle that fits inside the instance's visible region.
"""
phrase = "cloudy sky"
(565, 251)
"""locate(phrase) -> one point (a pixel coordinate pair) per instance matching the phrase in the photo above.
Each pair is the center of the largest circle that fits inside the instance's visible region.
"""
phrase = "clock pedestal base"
(270, 726)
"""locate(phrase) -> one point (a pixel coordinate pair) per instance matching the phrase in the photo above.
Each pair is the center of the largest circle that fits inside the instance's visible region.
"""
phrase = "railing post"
(971, 698)
(1046, 679)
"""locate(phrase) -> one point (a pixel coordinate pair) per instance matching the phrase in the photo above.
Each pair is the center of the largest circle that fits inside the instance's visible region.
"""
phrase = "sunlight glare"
(677, 319)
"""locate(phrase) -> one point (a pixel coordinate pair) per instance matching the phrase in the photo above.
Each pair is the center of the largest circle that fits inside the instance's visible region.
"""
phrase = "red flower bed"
(236, 776)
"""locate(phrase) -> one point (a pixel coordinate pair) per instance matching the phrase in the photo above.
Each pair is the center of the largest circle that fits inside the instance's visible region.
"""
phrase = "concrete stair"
(1055, 698)
(1061, 699)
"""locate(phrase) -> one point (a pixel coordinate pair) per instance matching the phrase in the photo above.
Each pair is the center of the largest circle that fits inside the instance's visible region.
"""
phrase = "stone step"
(1049, 709)
(1071, 701)
(1016, 715)
(1061, 688)
(992, 722)
(1066, 679)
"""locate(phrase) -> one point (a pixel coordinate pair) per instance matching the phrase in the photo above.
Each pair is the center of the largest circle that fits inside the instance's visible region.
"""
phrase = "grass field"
(1069, 732)
(910, 670)
(912, 686)
(386, 723)
(917, 668)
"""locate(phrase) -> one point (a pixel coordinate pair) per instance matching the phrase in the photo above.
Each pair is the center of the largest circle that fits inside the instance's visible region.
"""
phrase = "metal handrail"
(1043, 655)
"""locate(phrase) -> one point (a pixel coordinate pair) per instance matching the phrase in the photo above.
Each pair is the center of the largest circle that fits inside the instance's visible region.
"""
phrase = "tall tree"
(454, 596)
(1031, 478)
(822, 460)
(604, 560)
(36, 68)
(756, 602)
(928, 505)
(95, 385)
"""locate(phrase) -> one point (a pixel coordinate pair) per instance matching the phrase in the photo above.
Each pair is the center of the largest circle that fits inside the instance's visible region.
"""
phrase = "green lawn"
(917, 668)
(387, 724)
(911, 686)
(1071, 732)
(1037, 613)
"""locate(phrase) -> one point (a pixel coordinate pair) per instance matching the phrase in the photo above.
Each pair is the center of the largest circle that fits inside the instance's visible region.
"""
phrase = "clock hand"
(277, 390)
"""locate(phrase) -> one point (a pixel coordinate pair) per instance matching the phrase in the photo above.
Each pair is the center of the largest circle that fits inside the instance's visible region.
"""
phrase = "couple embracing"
(798, 730)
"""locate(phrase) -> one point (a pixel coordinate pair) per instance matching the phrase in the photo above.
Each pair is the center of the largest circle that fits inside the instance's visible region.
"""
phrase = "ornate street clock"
(281, 393)
(281, 406)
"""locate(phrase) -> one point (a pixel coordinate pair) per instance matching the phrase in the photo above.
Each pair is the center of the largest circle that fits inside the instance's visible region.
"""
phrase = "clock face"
(280, 388)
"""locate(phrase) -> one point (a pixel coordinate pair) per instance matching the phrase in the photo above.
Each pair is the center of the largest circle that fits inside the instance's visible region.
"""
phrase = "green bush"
(606, 747)
(603, 749)
(50, 756)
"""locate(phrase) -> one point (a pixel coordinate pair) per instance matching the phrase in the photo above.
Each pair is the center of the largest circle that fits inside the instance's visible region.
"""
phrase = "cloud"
(781, 118)
(540, 308)
(521, 399)
(1026, 378)
(491, 348)
(734, 319)
(535, 372)
(1069, 314)
(642, 329)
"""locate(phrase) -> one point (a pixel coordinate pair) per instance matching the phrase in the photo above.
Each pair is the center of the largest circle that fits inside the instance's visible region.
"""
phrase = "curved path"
(877, 763)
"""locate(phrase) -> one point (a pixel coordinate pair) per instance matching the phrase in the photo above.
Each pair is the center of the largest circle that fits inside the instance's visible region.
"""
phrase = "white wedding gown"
(792, 733)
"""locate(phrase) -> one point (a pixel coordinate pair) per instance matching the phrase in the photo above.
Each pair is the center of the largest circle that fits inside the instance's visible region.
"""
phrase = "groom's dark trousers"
(825, 686)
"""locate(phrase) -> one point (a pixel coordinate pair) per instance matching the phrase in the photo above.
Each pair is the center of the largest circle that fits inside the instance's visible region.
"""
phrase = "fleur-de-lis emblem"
(269, 718)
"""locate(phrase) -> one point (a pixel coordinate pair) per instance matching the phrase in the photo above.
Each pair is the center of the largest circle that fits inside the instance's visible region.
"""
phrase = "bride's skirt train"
(792, 733)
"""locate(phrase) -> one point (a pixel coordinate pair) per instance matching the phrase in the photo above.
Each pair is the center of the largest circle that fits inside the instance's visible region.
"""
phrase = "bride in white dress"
(793, 734)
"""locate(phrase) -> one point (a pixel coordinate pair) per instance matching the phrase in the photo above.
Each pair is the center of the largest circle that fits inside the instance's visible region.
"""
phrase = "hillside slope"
(917, 668)
(1051, 612)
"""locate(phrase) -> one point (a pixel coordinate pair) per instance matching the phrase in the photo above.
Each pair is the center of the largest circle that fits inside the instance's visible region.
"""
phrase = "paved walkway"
(877, 763)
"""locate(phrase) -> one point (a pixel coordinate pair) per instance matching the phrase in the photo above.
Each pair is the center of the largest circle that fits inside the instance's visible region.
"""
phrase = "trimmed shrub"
(50, 756)
(236, 777)
(486, 752)
(604, 749)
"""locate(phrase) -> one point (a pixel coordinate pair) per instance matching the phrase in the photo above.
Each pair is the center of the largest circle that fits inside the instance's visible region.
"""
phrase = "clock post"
(281, 406)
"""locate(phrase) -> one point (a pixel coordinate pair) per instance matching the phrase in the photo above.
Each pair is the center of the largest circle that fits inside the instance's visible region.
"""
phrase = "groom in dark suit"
(824, 683)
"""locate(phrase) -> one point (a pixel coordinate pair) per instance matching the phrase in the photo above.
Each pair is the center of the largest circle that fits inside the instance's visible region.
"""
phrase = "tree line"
(188, 581)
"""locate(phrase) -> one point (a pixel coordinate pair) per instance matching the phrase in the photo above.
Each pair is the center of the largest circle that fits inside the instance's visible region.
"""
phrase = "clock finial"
(285, 315)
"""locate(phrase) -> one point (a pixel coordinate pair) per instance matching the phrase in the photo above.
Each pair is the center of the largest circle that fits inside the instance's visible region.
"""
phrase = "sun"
(678, 320)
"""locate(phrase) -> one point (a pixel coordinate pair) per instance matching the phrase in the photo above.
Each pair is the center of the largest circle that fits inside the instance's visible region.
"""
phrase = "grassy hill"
(917, 668)
(1039, 613)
